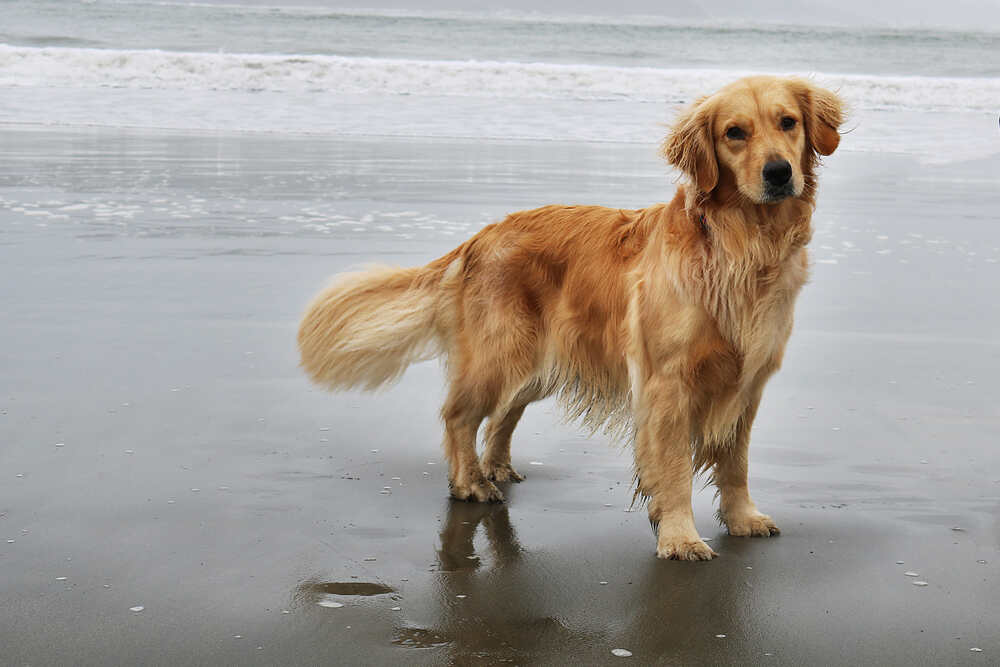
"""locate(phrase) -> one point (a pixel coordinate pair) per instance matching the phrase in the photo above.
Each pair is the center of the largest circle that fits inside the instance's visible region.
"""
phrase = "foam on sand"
(154, 69)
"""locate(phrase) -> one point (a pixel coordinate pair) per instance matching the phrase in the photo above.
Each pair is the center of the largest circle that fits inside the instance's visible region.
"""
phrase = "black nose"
(777, 172)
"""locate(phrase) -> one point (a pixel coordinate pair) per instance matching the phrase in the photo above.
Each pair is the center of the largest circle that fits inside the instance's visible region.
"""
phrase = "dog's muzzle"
(777, 176)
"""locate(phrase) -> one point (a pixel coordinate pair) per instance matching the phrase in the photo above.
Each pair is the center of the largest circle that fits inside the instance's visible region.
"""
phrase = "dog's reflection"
(504, 603)
(492, 600)
(457, 550)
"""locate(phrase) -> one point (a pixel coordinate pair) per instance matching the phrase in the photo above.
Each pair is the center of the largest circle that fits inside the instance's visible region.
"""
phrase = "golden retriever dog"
(663, 323)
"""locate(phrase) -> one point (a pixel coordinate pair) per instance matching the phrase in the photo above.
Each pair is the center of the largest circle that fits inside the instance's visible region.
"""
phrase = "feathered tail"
(367, 327)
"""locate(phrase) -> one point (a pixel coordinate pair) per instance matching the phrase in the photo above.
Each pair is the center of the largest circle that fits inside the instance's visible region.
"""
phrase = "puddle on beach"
(331, 594)
(352, 588)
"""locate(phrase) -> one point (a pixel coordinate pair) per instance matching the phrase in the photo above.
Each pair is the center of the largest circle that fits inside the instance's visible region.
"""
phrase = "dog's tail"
(367, 327)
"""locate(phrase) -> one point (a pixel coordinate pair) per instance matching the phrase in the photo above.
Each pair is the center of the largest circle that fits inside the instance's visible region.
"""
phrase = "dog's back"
(542, 293)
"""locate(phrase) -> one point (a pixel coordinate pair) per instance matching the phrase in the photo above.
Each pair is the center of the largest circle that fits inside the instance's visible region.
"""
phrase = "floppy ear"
(690, 146)
(824, 112)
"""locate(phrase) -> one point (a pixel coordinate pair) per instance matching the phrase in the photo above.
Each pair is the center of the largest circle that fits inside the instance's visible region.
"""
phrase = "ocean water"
(288, 69)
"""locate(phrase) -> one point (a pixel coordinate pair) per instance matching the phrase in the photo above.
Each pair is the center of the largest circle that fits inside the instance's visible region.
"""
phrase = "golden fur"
(663, 323)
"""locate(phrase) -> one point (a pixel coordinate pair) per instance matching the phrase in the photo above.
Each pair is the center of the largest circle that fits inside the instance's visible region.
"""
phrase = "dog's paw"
(482, 491)
(502, 472)
(684, 548)
(750, 524)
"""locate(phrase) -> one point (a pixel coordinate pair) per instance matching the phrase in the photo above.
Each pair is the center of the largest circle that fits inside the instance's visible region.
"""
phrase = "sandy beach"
(175, 492)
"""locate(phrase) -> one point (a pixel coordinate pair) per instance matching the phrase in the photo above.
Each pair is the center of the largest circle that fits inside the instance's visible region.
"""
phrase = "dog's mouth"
(772, 194)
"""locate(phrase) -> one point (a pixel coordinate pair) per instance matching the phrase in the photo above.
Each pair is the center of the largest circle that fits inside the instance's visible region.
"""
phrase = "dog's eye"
(788, 123)
(736, 133)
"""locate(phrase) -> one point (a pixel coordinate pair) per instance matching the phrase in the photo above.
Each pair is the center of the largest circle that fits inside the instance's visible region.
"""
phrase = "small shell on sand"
(329, 604)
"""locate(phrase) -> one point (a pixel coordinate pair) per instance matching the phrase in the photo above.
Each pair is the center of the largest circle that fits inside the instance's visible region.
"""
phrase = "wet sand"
(162, 450)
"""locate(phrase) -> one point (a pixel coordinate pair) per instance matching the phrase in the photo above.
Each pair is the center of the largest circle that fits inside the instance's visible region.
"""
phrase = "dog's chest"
(753, 338)
(758, 321)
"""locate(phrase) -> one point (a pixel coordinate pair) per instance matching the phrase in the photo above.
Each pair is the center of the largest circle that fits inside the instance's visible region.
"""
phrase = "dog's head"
(758, 137)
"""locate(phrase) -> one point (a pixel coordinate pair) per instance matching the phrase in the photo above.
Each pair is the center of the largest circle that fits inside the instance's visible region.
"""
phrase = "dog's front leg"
(736, 508)
(664, 468)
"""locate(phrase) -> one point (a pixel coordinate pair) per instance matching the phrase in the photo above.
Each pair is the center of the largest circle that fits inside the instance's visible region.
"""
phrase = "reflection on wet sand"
(509, 604)
(490, 604)
(458, 552)
(466, 621)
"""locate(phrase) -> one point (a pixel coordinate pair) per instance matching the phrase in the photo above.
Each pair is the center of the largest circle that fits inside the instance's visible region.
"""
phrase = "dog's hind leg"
(478, 388)
(466, 480)
(491, 361)
(496, 457)
(467, 405)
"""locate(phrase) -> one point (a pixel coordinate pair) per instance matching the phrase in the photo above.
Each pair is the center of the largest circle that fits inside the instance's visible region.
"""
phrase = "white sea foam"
(153, 69)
